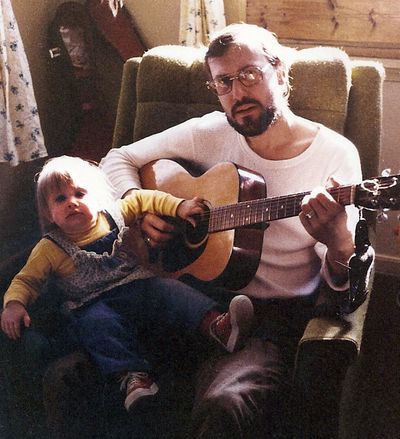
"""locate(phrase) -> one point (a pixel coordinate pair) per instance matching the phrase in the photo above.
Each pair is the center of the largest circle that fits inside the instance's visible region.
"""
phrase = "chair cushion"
(170, 87)
(321, 79)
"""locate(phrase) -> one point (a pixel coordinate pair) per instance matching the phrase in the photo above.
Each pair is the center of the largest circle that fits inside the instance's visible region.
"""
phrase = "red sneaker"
(232, 328)
(137, 385)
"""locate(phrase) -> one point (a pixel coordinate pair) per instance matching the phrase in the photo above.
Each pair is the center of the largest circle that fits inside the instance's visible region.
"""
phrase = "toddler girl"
(107, 292)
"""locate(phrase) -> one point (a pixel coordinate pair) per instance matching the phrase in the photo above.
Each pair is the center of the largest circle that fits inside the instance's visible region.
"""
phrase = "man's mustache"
(244, 101)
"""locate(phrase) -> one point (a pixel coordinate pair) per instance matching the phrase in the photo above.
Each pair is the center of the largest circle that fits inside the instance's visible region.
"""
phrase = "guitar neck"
(247, 213)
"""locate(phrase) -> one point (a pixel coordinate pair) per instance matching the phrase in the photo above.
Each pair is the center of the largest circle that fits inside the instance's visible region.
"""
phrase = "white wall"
(158, 20)
(388, 247)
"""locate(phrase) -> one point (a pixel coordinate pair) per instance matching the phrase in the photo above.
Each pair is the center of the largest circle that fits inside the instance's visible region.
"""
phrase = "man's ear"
(281, 74)
(283, 79)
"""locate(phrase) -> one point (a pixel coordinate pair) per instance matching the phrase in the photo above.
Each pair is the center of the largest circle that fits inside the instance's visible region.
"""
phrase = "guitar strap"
(360, 267)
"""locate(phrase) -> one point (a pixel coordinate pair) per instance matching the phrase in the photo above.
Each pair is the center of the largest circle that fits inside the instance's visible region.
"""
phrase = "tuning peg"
(381, 217)
(386, 172)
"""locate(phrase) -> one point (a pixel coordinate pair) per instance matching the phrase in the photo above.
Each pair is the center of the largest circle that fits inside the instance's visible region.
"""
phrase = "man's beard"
(251, 127)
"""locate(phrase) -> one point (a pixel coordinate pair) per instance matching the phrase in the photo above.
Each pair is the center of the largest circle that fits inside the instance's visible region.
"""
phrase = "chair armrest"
(343, 333)
(326, 352)
(126, 112)
(45, 312)
(11, 266)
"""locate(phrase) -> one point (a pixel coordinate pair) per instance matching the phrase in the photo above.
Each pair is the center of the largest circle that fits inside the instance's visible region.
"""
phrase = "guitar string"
(222, 217)
(254, 210)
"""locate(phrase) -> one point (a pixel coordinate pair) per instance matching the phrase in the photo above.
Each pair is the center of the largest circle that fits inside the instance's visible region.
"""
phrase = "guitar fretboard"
(263, 210)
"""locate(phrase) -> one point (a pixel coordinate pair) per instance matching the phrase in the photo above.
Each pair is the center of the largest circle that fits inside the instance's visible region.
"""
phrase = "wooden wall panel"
(361, 27)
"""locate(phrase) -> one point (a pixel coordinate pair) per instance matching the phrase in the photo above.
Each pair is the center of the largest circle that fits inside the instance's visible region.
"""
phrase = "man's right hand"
(156, 231)
(11, 318)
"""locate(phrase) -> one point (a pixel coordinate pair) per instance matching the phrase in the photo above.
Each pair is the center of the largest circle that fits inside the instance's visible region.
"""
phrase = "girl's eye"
(80, 194)
(60, 198)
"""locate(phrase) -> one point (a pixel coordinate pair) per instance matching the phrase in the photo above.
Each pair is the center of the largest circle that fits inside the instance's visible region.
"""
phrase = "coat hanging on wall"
(72, 36)
(116, 26)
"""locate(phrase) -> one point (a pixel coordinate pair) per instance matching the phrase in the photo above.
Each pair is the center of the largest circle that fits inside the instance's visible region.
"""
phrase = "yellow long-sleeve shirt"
(47, 257)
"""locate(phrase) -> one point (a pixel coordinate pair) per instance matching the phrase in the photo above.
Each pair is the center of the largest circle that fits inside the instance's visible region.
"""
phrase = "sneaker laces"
(131, 378)
(219, 326)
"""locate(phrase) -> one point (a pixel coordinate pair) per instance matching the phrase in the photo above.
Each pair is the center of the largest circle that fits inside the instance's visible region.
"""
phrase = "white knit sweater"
(292, 261)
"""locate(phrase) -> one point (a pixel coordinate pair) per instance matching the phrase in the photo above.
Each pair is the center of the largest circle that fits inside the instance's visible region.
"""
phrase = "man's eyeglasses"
(248, 76)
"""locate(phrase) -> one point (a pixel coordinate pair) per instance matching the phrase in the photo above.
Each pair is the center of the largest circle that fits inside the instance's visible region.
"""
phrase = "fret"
(246, 211)
(251, 212)
(260, 213)
(241, 215)
(268, 213)
(229, 217)
(226, 217)
(281, 208)
(274, 210)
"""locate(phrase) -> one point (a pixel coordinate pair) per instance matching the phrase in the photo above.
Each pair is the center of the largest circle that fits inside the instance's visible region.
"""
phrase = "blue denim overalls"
(111, 297)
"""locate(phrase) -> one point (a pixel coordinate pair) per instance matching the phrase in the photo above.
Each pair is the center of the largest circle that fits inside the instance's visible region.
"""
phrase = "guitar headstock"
(379, 193)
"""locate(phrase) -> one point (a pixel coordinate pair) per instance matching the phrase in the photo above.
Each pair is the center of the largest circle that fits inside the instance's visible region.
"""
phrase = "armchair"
(166, 87)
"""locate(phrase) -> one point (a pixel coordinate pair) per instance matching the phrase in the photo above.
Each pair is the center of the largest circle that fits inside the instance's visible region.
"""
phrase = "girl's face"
(72, 209)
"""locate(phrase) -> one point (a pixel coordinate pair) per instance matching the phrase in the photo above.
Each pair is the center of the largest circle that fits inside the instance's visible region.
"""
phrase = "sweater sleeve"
(45, 258)
(122, 164)
(348, 171)
(152, 201)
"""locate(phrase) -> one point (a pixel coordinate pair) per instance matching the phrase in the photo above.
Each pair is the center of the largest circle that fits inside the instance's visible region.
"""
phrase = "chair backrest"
(166, 87)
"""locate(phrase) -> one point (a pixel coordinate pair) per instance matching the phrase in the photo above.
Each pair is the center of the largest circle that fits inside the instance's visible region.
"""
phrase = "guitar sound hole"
(196, 235)
(186, 247)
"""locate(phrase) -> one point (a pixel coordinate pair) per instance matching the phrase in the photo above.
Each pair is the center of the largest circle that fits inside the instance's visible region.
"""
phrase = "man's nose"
(238, 89)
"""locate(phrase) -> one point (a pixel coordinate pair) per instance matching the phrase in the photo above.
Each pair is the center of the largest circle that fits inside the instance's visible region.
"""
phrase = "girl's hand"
(188, 209)
(11, 318)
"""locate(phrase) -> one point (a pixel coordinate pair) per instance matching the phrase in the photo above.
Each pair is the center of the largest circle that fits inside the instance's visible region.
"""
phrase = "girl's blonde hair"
(63, 171)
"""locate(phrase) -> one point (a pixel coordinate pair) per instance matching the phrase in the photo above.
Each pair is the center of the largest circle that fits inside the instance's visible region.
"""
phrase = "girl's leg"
(175, 304)
(180, 306)
(109, 338)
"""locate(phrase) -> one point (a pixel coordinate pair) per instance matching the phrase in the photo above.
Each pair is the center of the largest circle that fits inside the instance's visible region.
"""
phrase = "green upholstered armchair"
(161, 89)
(166, 87)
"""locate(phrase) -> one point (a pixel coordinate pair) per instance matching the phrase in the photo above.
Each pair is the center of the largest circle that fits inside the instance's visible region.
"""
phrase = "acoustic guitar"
(225, 246)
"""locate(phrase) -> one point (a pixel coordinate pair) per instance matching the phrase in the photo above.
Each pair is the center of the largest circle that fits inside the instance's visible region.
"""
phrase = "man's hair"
(251, 35)
(59, 172)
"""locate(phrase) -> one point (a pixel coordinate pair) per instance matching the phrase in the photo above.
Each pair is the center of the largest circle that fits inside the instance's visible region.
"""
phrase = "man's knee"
(241, 393)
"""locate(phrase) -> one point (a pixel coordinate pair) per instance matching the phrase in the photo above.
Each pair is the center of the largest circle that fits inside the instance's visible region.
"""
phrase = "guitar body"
(229, 258)
(226, 245)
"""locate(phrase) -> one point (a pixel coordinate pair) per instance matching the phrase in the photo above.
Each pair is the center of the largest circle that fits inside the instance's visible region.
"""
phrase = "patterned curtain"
(199, 19)
(21, 138)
